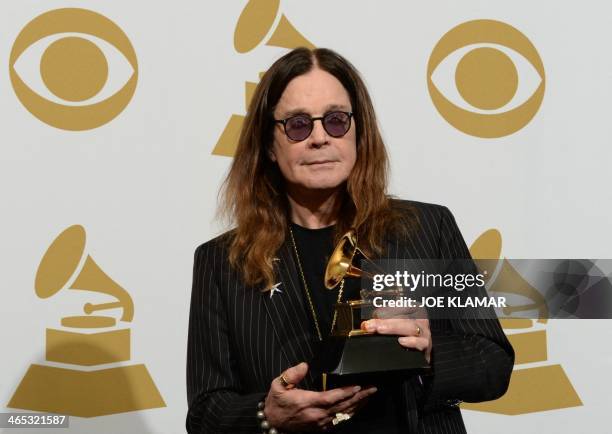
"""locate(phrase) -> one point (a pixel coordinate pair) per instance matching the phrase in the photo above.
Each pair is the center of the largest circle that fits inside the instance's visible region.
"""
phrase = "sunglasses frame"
(312, 120)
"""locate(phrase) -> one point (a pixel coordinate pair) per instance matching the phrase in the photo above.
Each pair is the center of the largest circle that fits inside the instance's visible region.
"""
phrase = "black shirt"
(314, 247)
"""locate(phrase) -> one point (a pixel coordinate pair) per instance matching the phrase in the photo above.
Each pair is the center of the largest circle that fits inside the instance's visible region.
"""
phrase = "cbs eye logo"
(64, 56)
(499, 78)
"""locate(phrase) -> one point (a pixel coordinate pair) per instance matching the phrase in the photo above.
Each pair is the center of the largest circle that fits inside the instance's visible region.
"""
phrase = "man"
(310, 165)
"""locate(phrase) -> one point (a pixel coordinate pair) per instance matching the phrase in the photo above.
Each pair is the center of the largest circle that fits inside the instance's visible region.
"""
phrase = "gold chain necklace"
(312, 309)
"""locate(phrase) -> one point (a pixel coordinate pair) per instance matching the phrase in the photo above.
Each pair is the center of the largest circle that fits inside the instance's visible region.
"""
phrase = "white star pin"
(274, 289)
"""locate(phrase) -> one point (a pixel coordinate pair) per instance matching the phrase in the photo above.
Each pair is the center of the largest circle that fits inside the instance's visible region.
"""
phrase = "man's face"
(320, 161)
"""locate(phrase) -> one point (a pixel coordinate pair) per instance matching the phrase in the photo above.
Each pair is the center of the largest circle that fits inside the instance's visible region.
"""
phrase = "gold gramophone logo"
(260, 20)
(499, 78)
(83, 386)
(60, 65)
(532, 389)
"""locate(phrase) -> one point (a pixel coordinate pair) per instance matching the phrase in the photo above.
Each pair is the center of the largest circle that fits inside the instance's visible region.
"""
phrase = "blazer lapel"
(288, 311)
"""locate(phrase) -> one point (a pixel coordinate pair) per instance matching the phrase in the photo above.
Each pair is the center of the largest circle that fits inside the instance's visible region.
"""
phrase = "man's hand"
(413, 332)
(289, 408)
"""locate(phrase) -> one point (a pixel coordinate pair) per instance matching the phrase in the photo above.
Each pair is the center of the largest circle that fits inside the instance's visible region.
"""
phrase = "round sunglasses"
(299, 127)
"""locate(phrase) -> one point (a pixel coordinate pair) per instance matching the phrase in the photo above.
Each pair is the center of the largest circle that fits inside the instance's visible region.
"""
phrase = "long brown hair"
(253, 193)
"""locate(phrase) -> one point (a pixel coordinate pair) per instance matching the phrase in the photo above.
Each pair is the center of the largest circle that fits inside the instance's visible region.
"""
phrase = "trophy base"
(365, 359)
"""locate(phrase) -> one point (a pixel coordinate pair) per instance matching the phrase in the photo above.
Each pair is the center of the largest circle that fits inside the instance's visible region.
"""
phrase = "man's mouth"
(315, 162)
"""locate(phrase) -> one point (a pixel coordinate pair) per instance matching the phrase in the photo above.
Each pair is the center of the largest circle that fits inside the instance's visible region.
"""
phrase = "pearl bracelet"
(264, 424)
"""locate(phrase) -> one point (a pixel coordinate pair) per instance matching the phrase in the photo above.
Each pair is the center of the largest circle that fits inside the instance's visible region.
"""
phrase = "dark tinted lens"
(336, 123)
(298, 127)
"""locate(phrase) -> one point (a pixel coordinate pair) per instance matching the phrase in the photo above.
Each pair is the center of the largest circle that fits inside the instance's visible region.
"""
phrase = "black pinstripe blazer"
(240, 339)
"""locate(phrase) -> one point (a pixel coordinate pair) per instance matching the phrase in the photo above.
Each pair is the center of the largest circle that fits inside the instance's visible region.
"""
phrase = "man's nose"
(319, 136)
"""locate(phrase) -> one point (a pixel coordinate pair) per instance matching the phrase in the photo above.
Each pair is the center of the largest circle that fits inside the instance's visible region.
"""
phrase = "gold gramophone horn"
(510, 281)
(255, 23)
(340, 263)
(488, 245)
(60, 265)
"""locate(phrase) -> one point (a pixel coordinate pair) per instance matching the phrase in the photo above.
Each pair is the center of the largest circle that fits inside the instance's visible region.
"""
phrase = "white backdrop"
(144, 185)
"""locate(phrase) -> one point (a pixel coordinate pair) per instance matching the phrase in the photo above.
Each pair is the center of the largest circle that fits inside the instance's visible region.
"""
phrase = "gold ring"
(285, 383)
(418, 331)
(340, 417)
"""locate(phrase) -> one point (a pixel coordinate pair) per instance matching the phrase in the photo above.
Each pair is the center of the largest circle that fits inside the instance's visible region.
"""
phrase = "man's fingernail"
(356, 389)
(374, 389)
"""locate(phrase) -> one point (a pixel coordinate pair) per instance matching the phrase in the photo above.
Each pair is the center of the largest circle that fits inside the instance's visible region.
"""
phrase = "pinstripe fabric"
(240, 339)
